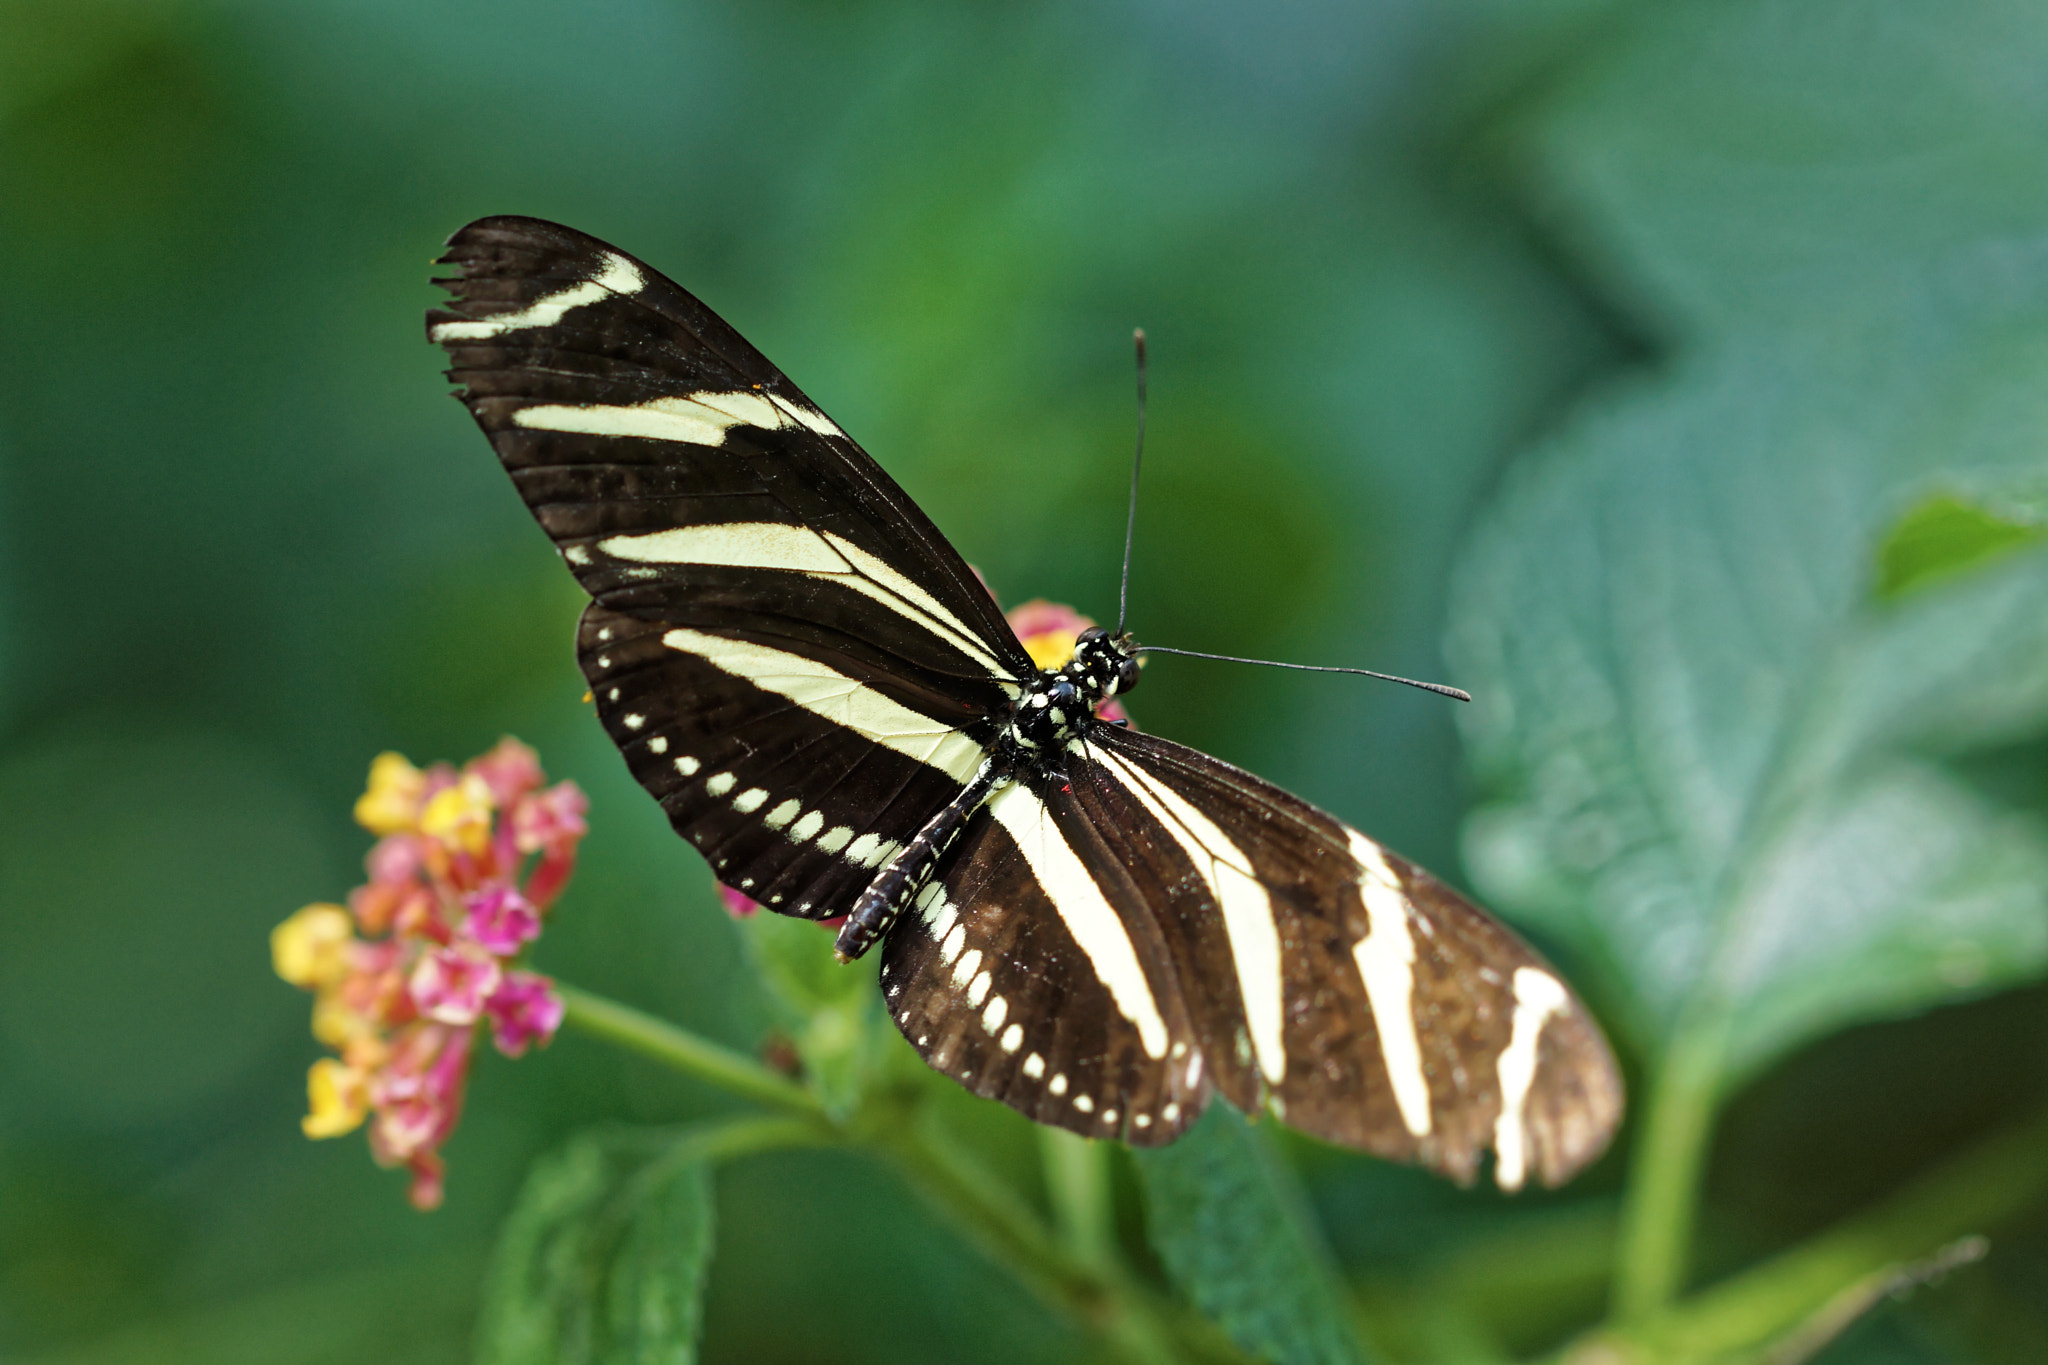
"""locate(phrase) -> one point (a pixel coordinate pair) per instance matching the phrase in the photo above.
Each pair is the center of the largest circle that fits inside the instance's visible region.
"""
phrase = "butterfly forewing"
(773, 620)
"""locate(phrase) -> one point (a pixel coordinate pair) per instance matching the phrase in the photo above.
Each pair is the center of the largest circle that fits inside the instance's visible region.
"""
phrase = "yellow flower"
(338, 1097)
(460, 816)
(1051, 648)
(311, 948)
(391, 804)
(337, 1024)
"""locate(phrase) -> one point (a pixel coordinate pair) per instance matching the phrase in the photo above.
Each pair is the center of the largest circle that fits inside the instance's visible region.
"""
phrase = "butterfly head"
(1103, 664)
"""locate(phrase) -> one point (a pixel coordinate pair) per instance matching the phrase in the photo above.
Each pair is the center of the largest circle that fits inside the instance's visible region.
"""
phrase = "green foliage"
(602, 1261)
(1942, 536)
(833, 1012)
(1703, 348)
(1226, 1217)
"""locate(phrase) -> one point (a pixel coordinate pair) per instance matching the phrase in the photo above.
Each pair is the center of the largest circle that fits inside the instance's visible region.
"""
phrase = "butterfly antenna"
(1123, 591)
(1440, 689)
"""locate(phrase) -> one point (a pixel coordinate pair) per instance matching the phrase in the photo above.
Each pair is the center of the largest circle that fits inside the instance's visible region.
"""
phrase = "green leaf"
(1714, 764)
(1227, 1217)
(831, 1009)
(603, 1259)
(1764, 161)
(1942, 536)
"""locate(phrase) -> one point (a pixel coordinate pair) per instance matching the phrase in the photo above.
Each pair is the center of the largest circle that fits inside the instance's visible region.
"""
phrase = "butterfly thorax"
(1061, 701)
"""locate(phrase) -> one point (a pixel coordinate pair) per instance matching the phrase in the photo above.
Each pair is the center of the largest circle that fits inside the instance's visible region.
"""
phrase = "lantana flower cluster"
(423, 957)
(1048, 631)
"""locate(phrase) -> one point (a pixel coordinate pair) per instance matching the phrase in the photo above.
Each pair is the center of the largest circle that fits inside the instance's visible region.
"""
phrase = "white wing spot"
(1247, 907)
(803, 829)
(1386, 966)
(619, 276)
(1088, 915)
(1084, 1104)
(1034, 1065)
(997, 1011)
(950, 949)
(835, 838)
(977, 988)
(576, 554)
(839, 699)
(1171, 1113)
(1013, 1037)
(633, 722)
(657, 744)
(1142, 1121)
(1109, 1116)
(687, 766)
(1194, 1071)
(1538, 996)
(1058, 1084)
(721, 784)
(782, 814)
(750, 800)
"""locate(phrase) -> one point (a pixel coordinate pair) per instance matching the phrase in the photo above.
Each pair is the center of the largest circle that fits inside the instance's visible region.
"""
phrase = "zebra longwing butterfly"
(1097, 927)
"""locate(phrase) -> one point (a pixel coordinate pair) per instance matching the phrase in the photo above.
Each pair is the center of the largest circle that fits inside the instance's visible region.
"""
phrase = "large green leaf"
(1228, 1219)
(1765, 161)
(1715, 761)
(603, 1259)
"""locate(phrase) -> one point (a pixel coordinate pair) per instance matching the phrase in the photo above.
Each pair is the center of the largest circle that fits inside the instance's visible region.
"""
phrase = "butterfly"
(1098, 927)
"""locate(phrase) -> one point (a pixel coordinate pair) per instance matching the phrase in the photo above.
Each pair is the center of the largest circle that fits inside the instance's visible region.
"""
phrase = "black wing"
(1262, 948)
(791, 657)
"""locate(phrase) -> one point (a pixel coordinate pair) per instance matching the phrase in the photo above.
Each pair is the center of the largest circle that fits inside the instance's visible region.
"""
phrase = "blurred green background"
(1631, 340)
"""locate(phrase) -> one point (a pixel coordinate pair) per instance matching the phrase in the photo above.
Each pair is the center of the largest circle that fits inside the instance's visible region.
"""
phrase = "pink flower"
(524, 1009)
(510, 770)
(738, 904)
(500, 920)
(547, 818)
(451, 984)
(454, 895)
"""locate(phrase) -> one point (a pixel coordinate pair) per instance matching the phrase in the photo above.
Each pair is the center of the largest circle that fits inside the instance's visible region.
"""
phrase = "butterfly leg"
(905, 874)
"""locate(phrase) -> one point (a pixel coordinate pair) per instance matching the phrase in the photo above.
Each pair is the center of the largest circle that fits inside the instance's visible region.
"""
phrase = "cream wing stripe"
(619, 276)
(1247, 907)
(799, 549)
(1538, 996)
(1386, 964)
(1083, 908)
(835, 697)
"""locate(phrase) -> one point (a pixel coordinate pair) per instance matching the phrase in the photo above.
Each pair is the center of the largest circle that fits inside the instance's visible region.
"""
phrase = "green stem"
(1790, 1305)
(685, 1051)
(1099, 1296)
(1664, 1182)
(1077, 1185)
(1140, 1328)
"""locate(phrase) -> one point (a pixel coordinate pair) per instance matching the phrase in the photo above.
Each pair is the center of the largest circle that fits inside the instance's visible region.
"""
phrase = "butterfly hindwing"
(770, 610)
(1022, 973)
(1382, 1010)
